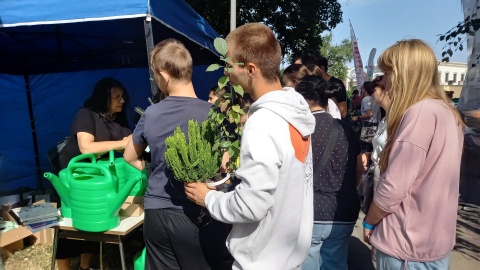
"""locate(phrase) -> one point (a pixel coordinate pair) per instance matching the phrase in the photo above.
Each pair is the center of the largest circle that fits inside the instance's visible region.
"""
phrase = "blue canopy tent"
(52, 53)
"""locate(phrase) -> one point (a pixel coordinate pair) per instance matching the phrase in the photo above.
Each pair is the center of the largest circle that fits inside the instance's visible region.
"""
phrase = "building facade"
(451, 75)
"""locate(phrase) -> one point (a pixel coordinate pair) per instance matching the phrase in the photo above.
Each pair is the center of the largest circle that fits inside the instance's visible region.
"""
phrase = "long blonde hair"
(414, 77)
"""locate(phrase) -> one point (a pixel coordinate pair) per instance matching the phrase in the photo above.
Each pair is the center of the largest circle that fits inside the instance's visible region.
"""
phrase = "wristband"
(368, 226)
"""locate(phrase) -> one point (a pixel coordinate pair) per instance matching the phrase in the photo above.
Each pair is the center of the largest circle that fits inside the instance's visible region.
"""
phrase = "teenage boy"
(272, 208)
(176, 236)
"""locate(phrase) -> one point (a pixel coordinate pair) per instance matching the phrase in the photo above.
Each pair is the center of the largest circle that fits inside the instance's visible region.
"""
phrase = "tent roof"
(47, 36)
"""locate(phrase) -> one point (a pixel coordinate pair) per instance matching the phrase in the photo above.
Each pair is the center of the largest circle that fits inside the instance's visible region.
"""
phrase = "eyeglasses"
(118, 98)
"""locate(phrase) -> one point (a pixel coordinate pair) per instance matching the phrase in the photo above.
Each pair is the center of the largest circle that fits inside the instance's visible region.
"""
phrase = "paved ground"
(465, 256)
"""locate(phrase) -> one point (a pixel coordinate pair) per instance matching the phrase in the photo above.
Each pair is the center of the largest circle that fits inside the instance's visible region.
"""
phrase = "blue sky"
(381, 23)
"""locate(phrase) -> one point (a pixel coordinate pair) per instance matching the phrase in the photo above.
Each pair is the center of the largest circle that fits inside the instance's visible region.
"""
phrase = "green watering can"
(125, 172)
(95, 198)
(65, 202)
(139, 260)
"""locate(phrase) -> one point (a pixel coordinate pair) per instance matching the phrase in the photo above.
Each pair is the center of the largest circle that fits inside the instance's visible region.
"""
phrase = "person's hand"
(196, 192)
(355, 118)
(366, 235)
(364, 161)
(225, 160)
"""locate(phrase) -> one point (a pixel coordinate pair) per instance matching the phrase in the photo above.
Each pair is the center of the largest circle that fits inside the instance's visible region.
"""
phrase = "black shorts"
(69, 248)
(175, 240)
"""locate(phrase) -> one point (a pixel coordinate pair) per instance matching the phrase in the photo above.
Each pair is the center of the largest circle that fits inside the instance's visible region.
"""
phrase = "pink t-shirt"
(421, 185)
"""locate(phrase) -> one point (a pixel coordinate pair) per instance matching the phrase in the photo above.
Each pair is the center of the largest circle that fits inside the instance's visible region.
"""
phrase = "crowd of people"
(301, 161)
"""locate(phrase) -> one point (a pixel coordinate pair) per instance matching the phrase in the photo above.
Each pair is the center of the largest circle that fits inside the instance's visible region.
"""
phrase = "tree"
(297, 24)
(337, 55)
(455, 37)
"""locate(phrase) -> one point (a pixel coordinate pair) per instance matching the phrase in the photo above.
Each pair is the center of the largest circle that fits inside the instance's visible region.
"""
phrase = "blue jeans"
(329, 248)
(387, 262)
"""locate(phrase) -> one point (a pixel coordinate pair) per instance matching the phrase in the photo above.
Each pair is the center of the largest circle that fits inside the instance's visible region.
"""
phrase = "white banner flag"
(357, 60)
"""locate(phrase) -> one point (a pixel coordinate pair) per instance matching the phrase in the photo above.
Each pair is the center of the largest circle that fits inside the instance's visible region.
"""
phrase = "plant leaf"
(220, 45)
(236, 108)
(214, 67)
(222, 81)
(239, 90)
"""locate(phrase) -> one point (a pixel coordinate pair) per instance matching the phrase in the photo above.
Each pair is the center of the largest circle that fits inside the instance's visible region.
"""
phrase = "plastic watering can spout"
(116, 200)
(62, 190)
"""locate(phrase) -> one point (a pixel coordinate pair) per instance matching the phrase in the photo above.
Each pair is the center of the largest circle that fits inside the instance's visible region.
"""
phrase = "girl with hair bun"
(337, 167)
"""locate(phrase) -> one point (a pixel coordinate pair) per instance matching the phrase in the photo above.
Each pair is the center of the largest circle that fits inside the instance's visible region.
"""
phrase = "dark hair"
(99, 101)
(316, 90)
(376, 83)
(368, 87)
(355, 92)
(311, 57)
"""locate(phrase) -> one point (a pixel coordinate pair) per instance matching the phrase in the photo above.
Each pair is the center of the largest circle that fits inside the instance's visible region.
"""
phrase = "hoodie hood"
(289, 105)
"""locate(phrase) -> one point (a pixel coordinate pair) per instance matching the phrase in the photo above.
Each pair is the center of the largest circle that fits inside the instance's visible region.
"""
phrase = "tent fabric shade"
(54, 51)
(89, 34)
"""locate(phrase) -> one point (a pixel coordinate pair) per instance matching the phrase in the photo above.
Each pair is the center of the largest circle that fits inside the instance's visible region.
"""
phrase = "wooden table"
(115, 235)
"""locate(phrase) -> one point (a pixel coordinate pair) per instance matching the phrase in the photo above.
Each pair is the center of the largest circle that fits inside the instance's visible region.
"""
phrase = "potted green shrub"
(194, 160)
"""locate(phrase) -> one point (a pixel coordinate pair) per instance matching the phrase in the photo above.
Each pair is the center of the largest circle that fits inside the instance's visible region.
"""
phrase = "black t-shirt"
(335, 192)
(342, 95)
(157, 123)
(102, 130)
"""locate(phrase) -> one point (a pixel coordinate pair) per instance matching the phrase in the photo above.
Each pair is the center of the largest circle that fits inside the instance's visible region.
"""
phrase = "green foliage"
(297, 24)
(337, 55)
(195, 160)
(227, 141)
(454, 39)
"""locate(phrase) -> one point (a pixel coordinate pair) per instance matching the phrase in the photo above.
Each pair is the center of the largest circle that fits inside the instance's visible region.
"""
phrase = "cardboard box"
(44, 236)
(12, 240)
(132, 207)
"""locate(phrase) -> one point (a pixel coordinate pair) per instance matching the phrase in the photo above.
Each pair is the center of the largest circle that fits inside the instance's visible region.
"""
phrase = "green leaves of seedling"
(220, 45)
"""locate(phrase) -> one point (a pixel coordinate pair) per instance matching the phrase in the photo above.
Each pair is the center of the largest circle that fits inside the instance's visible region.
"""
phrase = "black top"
(335, 192)
(102, 129)
(157, 123)
(342, 95)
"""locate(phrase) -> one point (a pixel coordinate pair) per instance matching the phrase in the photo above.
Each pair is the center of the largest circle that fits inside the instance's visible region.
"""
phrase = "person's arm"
(342, 106)
(133, 155)
(405, 162)
(137, 145)
(360, 169)
(87, 144)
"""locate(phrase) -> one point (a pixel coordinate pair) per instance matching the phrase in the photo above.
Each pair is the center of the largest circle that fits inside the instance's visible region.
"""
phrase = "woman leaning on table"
(98, 127)
(412, 219)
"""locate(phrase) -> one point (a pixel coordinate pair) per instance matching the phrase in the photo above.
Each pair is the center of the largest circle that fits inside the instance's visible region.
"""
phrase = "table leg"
(101, 256)
(122, 255)
(54, 251)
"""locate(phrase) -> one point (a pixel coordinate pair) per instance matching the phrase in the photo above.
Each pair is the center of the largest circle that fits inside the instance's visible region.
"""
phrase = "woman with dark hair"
(337, 168)
(295, 72)
(100, 126)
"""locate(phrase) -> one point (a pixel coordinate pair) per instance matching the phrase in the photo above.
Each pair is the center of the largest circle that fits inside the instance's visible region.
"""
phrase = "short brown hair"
(256, 43)
(172, 57)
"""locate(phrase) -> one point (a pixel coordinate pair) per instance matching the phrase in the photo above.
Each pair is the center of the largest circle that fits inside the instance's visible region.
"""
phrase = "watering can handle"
(103, 169)
(82, 157)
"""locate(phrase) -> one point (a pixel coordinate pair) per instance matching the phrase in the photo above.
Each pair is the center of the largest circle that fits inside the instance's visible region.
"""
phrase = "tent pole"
(233, 15)
(34, 131)
(147, 24)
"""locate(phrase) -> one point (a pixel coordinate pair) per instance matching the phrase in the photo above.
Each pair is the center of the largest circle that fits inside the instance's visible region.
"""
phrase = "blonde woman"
(412, 219)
